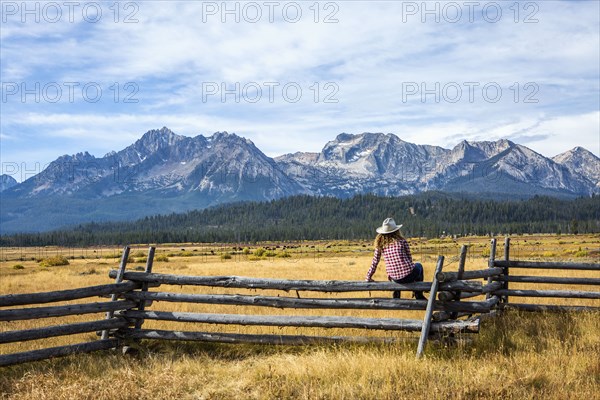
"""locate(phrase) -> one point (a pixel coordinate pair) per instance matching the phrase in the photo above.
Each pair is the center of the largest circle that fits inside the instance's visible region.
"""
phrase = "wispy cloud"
(378, 68)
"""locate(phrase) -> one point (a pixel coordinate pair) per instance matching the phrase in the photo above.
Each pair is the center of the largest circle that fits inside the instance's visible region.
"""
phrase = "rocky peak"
(299, 157)
(234, 144)
(348, 148)
(490, 149)
(466, 152)
(229, 138)
(79, 157)
(150, 143)
(575, 154)
(221, 136)
(157, 138)
(581, 162)
(6, 182)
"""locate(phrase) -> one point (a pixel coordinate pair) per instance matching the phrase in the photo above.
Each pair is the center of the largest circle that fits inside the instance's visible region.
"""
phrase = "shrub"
(139, 253)
(162, 257)
(186, 254)
(18, 266)
(259, 252)
(246, 251)
(226, 256)
(284, 254)
(54, 261)
(254, 258)
(114, 255)
(270, 253)
(91, 271)
(139, 268)
(141, 259)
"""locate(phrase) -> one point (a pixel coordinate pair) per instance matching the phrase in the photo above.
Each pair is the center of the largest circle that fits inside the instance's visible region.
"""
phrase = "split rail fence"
(450, 309)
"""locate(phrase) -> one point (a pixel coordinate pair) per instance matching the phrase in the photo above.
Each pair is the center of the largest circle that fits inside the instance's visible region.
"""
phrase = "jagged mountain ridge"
(164, 172)
(386, 165)
(222, 164)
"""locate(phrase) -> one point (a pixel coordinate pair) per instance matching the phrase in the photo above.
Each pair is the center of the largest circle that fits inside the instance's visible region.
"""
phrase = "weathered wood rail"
(447, 311)
(238, 282)
(66, 295)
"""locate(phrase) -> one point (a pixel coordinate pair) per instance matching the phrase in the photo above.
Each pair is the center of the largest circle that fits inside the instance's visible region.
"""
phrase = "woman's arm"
(376, 258)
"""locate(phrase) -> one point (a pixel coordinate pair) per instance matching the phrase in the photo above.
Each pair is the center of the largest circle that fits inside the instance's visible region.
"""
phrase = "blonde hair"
(385, 239)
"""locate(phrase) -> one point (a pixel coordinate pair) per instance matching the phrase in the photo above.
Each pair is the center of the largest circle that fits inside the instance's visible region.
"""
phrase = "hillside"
(307, 217)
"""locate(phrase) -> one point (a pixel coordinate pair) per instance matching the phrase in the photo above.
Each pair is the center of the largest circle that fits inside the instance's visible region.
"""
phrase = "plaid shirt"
(398, 260)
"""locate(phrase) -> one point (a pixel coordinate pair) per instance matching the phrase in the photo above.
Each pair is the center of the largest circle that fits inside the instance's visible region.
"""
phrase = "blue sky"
(290, 76)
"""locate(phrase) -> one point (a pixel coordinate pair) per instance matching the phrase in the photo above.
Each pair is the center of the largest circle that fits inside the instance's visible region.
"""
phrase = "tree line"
(431, 214)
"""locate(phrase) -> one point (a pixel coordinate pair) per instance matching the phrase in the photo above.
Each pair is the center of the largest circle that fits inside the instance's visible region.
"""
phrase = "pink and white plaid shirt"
(398, 260)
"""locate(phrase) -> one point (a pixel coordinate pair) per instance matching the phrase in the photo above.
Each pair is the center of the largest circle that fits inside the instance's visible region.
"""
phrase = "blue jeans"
(416, 275)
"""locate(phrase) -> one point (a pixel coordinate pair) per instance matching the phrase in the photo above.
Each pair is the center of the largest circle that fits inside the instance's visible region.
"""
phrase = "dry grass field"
(515, 356)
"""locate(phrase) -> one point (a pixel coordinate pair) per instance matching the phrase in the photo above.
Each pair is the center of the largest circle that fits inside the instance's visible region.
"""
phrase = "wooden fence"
(64, 310)
(447, 311)
(509, 266)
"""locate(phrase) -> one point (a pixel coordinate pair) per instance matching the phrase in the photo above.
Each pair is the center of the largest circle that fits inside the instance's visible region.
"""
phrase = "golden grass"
(515, 356)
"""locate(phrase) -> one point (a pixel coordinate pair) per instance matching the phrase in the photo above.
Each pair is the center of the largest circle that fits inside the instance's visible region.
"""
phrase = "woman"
(398, 260)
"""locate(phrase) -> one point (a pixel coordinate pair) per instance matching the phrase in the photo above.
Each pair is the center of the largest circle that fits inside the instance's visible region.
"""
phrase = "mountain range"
(163, 172)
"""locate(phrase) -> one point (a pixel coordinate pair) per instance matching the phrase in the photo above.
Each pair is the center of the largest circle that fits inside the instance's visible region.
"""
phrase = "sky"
(292, 75)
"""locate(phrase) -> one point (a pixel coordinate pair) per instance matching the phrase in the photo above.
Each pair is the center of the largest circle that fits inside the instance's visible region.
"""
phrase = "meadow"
(516, 355)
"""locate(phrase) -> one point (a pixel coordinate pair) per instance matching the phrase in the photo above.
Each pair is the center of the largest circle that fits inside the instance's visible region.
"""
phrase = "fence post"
(429, 311)
(129, 345)
(459, 276)
(148, 270)
(491, 261)
(505, 271)
(118, 279)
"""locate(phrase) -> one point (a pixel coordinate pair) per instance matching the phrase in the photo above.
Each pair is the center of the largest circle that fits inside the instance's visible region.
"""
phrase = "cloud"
(370, 57)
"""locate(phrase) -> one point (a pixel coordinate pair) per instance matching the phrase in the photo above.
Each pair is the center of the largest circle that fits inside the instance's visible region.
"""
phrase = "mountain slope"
(582, 163)
(163, 172)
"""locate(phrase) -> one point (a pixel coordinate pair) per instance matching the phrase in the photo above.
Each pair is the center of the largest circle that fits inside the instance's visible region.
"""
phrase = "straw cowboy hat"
(388, 226)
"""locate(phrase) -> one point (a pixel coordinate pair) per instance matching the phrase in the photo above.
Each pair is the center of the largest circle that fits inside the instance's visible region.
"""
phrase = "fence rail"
(484, 273)
(567, 294)
(548, 279)
(367, 303)
(62, 351)
(238, 282)
(548, 265)
(61, 311)
(247, 338)
(61, 330)
(66, 295)
(390, 324)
